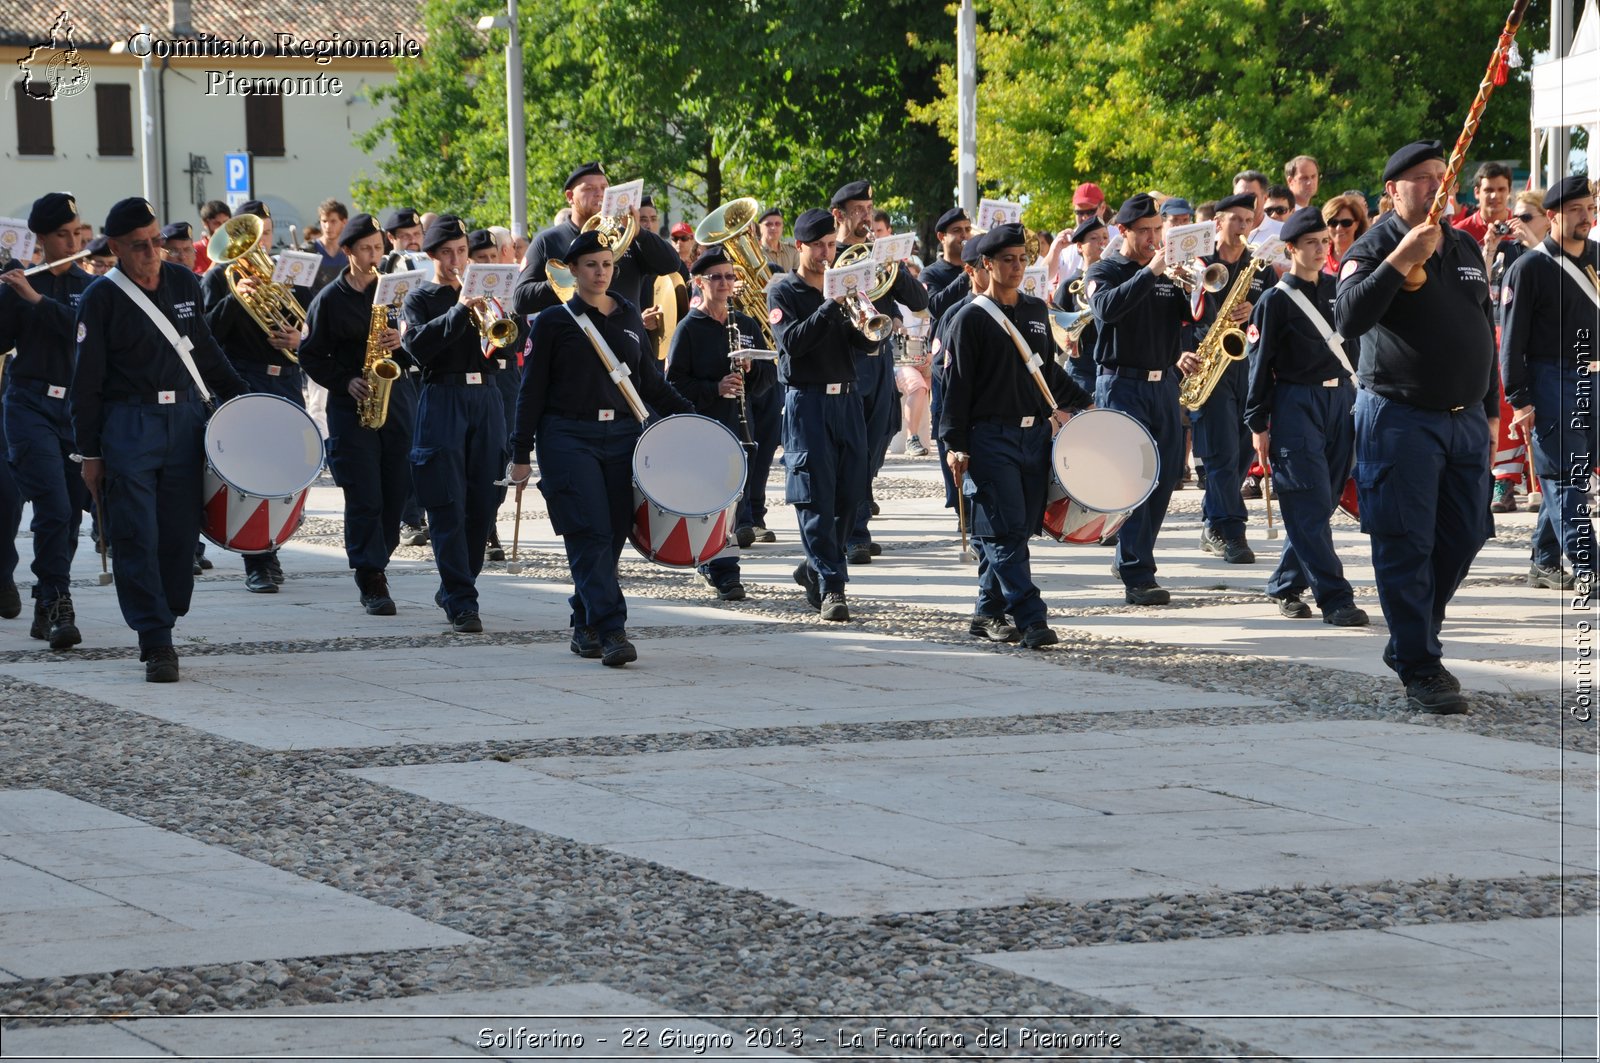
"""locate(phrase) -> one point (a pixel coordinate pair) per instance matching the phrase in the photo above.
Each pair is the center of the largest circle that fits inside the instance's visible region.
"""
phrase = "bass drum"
(1103, 466)
(688, 477)
(263, 453)
(1349, 501)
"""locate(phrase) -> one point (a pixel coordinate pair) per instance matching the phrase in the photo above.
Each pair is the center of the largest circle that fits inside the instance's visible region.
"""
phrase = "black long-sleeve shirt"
(1434, 347)
(649, 255)
(564, 375)
(1548, 317)
(698, 361)
(1067, 299)
(440, 334)
(122, 354)
(816, 342)
(987, 378)
(938, 273)
(941, 301)
(1283, 347)
(335, 348)
(42, 332)
(1141, 317)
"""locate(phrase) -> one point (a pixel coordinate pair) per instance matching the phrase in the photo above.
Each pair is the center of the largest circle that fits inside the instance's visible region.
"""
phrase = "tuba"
(732, 226)
(379, 371)
(236, 246)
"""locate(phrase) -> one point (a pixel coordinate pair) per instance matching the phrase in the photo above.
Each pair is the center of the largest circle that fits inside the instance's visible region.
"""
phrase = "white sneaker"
(914, 448)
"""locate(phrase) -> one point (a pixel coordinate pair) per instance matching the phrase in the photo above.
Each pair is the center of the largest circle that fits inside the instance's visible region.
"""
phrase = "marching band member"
(402, 228)
(1551, 300)
(1221, 440)
(1090, 238)
(1298, 411)
(36, 318)
(139, 422)
(648, 255)
(265, 361)
(1141, 313)
(101, 259)
(459, 444)
(699, 368)
(952, 230)
(586, 434)
(997, 428)
(177, 244)
(976, 282)
(482, 247)
(824, 430)
(371, 466)
(1421, 421)
(214, 213)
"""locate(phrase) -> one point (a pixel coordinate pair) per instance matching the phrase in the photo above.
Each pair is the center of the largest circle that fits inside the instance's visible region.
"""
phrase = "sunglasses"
(721, 278)
(1273, 212)
(1342, 223)
(1084, 210)
(1523, 218)
(681, 239)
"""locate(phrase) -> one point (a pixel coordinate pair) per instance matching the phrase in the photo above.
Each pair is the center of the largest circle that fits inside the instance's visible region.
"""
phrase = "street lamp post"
(515, 123)
(147, 120)
(967, 105)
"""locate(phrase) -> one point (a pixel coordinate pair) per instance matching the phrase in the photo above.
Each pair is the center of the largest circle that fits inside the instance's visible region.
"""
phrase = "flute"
(52, 265)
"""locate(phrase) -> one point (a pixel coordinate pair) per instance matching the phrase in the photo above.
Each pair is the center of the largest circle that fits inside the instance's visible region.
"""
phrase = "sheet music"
(992, 212)
(393, 287)
(886, 249)
(16, 240)
(1188, 242)
(841, 282)
(1036, 281)
(297, 268)
(489, 280)
(619, 199)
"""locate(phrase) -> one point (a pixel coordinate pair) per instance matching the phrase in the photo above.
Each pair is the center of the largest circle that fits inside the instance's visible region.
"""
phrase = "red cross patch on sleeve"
(1253, 334)
(774, 315)
(1348, 268)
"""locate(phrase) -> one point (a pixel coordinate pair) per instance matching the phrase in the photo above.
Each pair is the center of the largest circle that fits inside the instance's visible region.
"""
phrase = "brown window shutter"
(113, 110)
(263, 125)
(35, 123)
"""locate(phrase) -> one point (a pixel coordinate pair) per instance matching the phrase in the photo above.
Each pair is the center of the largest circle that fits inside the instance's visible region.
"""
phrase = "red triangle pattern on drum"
(215, 524)
(708, 537)
(641, 528)
(254, 534)
(675, 550)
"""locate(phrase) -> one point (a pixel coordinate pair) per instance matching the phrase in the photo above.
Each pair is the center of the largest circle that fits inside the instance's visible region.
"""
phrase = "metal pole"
(147, 121)
(967, 105)
(518, 127)
(1558, 140)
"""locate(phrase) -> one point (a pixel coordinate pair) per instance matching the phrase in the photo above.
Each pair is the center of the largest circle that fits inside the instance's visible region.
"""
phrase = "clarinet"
(735, 345)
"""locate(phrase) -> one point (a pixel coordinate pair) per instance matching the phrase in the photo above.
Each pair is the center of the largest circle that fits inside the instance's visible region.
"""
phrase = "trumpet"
(1068, 325)
(495, 327)
(1187, 275)
(865, 317)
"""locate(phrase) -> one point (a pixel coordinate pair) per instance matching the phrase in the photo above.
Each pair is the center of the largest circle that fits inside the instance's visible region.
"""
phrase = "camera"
(1501, 228)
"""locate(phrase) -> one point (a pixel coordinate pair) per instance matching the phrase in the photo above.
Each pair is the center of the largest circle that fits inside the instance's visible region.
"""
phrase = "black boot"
(40, 629)
(375, 593)
(63, 624)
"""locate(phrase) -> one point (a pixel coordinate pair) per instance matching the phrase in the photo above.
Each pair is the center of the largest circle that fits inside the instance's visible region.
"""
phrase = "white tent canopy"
(1566, 89)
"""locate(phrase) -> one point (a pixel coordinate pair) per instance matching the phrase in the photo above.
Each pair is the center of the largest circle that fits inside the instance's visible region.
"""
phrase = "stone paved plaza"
(1199, 832)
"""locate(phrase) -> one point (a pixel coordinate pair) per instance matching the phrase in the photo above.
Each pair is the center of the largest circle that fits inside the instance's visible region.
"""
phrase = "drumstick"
(105, 530)
(514, 566)
(1266, 493)
(961, 517)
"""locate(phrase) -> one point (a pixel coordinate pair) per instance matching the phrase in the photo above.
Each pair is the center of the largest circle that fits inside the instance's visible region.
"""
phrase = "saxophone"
(380, 372)
(1224, 343)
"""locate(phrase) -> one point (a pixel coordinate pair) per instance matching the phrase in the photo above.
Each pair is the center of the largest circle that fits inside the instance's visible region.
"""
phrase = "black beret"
(178, 230)
(1001, 237)
(51, 211)
(1247, 200)
(99, 247)
(398, 218)
(1564, 191)
(445, 227)
(359, 227)
(770, 212)
(813, 225)
(1302, 222)
(127, 215)
(581, 172)
(970, 251)
(1081, 233)
(853, 190)
(254, 206)
(479, 239)
(647, 201)
(1408, 156)
(949, 218)
(1139, 205)
(586, 243)
(713, 256)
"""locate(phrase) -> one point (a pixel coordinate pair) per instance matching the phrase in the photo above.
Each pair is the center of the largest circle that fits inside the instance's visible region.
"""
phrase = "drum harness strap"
(1586, 286)
(182, 344)
(1334, 341)
(1035, 363)
(615, 369)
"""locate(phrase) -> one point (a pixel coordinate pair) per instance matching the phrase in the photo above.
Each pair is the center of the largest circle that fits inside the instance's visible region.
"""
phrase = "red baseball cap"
(682, 229)
(1088, 194)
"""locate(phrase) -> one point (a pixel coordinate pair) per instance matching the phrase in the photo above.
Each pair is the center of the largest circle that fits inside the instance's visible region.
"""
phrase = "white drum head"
(1105, 460)
(689, 465)
(264, 445)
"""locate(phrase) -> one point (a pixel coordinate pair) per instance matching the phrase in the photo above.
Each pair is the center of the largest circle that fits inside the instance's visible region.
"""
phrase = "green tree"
(1179, 95)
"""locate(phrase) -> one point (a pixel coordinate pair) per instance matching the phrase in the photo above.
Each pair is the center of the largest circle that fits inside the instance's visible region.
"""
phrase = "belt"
(155, 398)
(825, 389)
(1151, 375)
(586, 415)
(452, 379)
(39, 387)
(270, 368)
(1019, 421)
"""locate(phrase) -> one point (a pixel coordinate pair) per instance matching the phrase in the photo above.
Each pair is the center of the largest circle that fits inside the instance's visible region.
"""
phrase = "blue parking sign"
(237, 169)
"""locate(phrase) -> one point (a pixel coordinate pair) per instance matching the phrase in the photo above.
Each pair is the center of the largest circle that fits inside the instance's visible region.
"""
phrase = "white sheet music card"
(1272, 250)
(1186, 242)
(1036, 281)
(619, 199)
(886, 249)
(296, 268)
(394, 287)
(490, 280)
(856, 278)
(992, 212)
(16, 240)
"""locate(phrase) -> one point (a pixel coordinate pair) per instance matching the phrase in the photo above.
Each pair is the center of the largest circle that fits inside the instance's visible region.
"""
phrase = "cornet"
(1186, 275)
(865, 317)
(495, 326)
